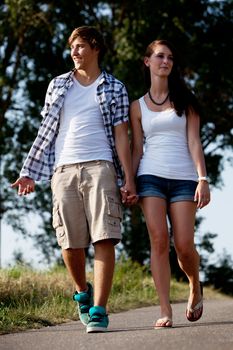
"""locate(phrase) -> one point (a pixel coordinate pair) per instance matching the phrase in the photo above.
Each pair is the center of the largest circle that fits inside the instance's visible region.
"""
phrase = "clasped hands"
(128, 195)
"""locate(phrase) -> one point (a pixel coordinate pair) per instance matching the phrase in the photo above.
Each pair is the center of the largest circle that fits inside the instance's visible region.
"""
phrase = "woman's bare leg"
(155, 210)
(183, 221)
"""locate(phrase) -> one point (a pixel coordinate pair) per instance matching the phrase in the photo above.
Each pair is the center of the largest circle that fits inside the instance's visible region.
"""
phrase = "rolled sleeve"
(122, 107)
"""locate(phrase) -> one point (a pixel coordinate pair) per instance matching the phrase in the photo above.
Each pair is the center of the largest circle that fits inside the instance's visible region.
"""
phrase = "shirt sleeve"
(35, 162)
(121, 107)
(48, 99)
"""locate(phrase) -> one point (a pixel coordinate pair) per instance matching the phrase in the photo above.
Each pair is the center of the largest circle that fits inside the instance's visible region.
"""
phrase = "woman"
(171, 175)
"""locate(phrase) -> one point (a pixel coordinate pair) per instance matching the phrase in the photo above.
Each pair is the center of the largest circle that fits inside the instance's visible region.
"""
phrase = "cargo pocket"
(58, 226)
(114, 211)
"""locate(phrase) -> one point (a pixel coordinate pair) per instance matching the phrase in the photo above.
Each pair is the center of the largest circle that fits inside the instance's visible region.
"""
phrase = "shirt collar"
(104, 78)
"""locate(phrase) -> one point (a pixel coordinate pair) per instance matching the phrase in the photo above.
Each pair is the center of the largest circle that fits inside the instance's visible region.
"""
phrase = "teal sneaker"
(84, 303)
(98, 320)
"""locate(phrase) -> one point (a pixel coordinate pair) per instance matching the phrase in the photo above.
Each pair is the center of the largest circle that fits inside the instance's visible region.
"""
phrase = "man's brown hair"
(92, 36)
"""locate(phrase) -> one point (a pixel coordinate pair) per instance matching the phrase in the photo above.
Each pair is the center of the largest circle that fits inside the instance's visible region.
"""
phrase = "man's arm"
(128, 191)
(137, 135)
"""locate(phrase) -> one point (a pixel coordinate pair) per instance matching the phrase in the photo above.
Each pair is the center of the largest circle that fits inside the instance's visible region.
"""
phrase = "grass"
(32, 299)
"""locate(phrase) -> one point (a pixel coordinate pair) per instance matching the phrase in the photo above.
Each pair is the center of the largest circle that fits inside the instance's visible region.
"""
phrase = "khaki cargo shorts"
(86, 204)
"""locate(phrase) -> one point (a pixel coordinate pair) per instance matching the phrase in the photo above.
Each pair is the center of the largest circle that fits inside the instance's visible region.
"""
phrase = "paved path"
(132, 330)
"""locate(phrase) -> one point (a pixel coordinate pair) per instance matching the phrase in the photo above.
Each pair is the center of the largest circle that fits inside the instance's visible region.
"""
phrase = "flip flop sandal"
(198, 307)
(164, 322)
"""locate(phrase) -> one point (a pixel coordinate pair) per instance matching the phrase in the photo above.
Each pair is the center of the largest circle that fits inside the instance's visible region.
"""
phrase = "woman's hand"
(128, 194)
(202, 194)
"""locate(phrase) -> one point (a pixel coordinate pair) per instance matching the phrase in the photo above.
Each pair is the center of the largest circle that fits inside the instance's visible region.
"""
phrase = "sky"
(219, 214)
(218, 219)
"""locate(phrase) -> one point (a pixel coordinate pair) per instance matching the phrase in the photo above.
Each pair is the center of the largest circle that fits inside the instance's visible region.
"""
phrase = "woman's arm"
(202, 195)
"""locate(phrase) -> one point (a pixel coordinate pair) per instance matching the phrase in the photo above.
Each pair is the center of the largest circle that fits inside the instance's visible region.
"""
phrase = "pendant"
(156, 103)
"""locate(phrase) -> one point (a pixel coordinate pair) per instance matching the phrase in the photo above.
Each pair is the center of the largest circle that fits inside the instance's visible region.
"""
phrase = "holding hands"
(128, 194)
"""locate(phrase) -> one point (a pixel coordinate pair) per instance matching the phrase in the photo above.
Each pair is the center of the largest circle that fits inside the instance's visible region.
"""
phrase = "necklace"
(156, 103)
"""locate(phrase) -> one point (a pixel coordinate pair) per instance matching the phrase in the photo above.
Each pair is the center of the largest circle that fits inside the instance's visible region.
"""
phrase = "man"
(83, 145)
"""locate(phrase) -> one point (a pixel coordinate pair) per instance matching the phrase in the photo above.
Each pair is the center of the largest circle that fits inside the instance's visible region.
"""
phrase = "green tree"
(34, 50)
(33, 36)
(202, 37)
(135, 237)
(220, 274)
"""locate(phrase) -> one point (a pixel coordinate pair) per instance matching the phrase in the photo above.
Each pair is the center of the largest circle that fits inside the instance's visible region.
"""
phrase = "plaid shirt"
(113, 101)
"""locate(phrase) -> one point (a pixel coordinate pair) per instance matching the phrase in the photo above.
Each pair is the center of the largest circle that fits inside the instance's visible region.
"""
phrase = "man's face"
(82, 54)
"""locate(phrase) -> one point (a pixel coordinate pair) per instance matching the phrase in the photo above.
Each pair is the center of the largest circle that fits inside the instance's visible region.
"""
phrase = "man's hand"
(25, 185)
(128, 194)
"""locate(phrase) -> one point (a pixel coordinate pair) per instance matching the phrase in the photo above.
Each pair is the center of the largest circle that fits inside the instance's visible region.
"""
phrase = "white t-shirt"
(166, 152)
(81, 134)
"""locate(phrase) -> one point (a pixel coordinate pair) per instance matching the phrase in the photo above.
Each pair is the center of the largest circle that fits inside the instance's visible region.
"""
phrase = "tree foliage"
(220, 275)
(33, 49)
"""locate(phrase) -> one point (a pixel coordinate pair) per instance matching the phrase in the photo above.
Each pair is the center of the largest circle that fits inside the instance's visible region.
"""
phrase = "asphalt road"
(132, 330)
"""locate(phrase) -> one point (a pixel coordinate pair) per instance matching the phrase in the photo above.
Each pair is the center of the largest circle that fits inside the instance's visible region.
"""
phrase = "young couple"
(82, 146)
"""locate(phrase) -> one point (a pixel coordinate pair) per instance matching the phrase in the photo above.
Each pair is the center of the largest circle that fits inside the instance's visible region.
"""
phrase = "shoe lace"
(97, 317)
(84, 308)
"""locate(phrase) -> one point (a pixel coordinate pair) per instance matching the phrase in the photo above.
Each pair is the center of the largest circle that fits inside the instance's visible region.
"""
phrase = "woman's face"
(160, 62)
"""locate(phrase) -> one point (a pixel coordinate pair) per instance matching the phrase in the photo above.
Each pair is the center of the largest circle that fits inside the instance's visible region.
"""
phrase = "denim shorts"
(169, 189)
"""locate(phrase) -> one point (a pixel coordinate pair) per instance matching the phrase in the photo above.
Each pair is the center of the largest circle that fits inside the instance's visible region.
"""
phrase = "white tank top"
(81, 134)
(166, 152)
